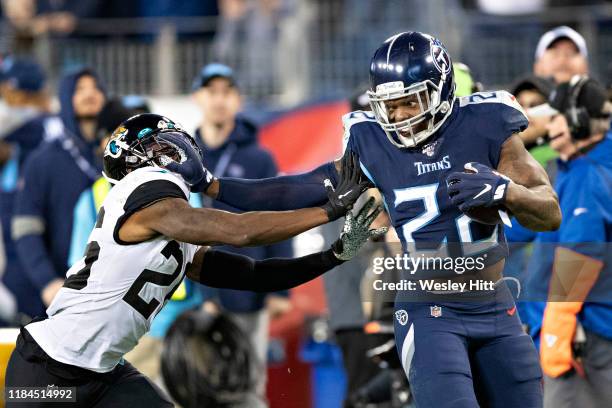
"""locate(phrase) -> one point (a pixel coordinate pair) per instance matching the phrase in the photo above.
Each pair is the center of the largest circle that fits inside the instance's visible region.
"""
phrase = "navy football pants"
(474, 354)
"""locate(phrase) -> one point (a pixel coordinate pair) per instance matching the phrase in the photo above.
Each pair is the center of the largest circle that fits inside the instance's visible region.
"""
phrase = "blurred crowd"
(51, 187)
(271, 42)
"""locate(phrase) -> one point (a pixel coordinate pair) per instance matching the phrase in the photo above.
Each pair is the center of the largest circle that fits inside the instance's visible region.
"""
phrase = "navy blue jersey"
(412, 181)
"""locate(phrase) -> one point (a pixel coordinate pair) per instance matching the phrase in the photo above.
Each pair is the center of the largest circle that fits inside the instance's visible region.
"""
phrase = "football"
(486, 215)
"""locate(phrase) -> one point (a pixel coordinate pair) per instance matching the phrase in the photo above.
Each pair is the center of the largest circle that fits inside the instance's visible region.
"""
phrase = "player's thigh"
(434, 357)
(21, 373)
(18, 372)
(130, 388)
(507, 373)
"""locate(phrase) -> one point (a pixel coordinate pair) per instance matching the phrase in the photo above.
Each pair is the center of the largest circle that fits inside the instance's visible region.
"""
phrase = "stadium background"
(297, 61)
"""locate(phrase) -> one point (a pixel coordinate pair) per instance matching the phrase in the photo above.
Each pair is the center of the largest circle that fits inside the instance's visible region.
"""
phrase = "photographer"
(576, 329)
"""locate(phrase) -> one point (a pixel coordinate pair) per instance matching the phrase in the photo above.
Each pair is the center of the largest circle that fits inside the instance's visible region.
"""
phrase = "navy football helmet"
(407, 64)
(146, 140)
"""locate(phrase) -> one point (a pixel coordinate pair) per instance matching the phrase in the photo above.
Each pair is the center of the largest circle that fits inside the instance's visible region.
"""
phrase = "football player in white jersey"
(146, 239)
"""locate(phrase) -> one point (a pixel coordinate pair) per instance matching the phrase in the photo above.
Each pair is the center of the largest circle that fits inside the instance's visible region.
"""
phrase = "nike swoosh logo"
(580, 210)
(484, 190)
(511, 311)
(341, 196)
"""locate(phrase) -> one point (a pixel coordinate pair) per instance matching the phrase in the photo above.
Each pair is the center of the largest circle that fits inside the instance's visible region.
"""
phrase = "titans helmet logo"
(401, 316)
(440, 57)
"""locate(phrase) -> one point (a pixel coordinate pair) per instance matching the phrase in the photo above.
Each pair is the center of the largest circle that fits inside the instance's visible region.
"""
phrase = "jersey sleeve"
(499, 116)
(151, 187)
(348, 121)
(511, 120)
(514, 119)
(349, 139)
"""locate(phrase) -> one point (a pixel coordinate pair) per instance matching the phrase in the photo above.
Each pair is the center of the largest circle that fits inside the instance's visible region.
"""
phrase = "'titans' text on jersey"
(411, 180)
(111, 296)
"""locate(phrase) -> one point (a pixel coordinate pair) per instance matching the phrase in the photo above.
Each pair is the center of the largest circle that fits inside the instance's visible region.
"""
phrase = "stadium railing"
(318, 49)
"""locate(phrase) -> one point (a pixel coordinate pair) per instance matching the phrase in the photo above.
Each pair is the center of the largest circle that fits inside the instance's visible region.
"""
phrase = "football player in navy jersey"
(436, 158)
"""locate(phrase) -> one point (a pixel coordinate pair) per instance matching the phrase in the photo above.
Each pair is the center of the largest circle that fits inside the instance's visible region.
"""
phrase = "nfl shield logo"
(430, 149)
(436, 311)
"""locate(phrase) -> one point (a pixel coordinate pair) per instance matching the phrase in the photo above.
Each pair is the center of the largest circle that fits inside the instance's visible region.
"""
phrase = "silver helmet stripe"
(392, 39)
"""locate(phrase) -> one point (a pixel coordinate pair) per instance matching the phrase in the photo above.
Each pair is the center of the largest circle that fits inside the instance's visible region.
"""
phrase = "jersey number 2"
(427, 194)
(133, 298)
(78, 280)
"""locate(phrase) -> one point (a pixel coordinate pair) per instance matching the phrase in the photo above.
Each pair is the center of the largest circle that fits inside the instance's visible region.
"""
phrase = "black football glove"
(350, 186)
(478, 186)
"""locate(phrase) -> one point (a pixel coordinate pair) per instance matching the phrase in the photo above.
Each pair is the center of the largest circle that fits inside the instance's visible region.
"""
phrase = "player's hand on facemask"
(191, 167)
(357, 231)
(478, 186)
(350, 186)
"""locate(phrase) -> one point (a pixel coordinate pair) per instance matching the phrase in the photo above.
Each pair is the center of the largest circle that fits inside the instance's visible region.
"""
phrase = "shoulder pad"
(145, 174)
(352, 118)
(513, 116)
(504, 97)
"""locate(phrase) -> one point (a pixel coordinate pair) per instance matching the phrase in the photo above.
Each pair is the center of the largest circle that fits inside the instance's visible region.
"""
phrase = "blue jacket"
(25, 139)
(54, 176)
(584, 186)
(28, 136)
(242, 157)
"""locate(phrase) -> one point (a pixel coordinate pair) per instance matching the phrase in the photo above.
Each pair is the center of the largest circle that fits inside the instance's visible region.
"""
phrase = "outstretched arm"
(271, 194)
(163, 210)
(176, 219)
(220, 269)
(211, 267)
(276, 193)
(291, 192)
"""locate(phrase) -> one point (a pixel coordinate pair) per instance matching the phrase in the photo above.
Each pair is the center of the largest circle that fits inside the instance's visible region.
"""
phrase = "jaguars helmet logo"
(113, 147)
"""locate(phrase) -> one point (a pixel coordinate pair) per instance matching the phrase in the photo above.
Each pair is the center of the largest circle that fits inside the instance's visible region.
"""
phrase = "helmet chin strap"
(435, 100)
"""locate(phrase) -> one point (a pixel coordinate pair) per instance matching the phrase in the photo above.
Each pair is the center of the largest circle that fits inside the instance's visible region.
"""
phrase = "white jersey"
(111, 296)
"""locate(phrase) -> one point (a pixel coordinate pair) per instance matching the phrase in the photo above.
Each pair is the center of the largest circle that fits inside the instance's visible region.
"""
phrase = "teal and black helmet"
(144, 140)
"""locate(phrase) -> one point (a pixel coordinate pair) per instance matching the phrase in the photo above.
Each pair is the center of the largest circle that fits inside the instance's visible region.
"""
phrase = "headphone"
(577, 117)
